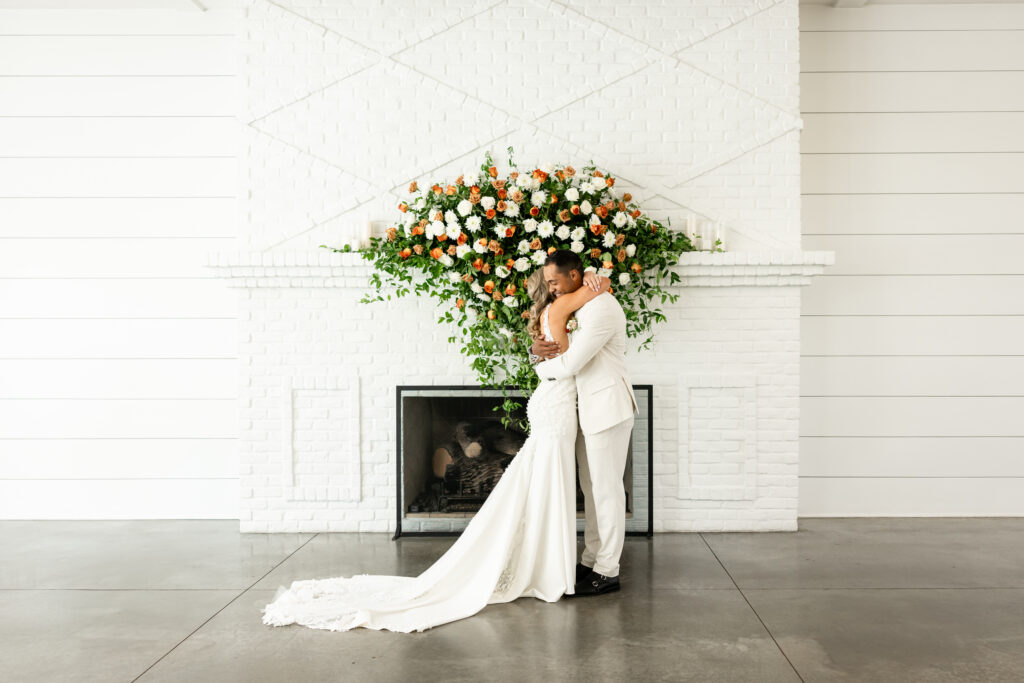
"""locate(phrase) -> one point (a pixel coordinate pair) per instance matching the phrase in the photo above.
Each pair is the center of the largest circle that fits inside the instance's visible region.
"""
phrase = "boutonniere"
(571, 324)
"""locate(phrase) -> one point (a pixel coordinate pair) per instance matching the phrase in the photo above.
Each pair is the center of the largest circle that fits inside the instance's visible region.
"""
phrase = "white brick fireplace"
(318, 373)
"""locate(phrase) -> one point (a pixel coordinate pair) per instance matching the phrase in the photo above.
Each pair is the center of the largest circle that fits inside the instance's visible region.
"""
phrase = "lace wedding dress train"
(520, 543)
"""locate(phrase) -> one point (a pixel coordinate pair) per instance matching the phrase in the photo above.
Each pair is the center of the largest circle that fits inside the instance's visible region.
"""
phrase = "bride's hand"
(592, 280)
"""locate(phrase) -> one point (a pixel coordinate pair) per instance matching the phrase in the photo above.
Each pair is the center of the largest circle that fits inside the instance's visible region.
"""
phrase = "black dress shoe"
(597, 584)
(582, 571)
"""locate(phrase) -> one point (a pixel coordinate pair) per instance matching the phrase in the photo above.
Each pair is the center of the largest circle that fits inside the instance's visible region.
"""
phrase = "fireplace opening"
(453, 449)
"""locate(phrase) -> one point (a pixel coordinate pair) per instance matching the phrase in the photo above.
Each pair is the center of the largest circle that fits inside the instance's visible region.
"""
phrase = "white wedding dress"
(520, 543)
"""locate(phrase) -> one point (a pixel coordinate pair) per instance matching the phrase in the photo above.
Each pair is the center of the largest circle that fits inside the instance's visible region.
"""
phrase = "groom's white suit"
(597, 358)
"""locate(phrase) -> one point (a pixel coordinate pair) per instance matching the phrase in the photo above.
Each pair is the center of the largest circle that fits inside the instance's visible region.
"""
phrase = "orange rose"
(534, 211)
(598, 174)
(467, 277)
(635, 214)
(609, 181)
(475, 189)
(462, 238)
(436, 252)
(391, 233)
(494, 245)
(620, 255)
(499, 251)
(574, 209)
(460, 181)
(405, 253)
(442, 237)
(564, 215)
(620, 238)
(627, 197)
(493, 171)
(636, 267)
(535, 244)
(417, 230)
(502, 205)
(608, 265)
(450, 190)
(418, 248)
(491, 213)
(554, 198)
(452, 250)
(413, 187)
(524, 314)
(403, 207)
(551, 250)
(478, 264)
(497, 296)
(595, 253)
(486, 270)
(510, 230)
(570, 171)
(502, 194)
(490, 315)
(511, 262)
(438, 216)
(601, 211)
(459, 303)
(510, 290)
(436, 188)
(513, 175)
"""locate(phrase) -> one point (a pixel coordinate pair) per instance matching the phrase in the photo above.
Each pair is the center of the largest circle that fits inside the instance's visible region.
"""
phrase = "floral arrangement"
(472, 243)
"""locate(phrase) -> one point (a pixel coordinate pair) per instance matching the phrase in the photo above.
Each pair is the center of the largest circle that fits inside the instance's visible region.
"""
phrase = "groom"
(597, 358)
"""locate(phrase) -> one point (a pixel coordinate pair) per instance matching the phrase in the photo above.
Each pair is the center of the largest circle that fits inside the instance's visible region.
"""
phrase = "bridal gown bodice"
(520, 543)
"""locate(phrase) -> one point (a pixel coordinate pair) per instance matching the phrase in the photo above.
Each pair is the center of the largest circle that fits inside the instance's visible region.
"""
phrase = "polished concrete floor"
(900, 599)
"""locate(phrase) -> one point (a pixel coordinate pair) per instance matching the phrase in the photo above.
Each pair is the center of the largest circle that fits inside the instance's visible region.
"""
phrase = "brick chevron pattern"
(693, 105)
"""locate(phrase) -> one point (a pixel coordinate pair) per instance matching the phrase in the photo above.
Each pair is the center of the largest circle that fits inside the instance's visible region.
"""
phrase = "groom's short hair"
(565, 261)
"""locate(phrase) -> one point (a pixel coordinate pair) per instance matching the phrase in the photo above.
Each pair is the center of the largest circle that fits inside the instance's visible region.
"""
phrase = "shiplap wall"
(912, 373)
(117, 348)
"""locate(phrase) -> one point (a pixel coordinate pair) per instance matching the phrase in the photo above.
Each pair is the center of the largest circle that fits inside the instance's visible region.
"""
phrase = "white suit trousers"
(602, 461)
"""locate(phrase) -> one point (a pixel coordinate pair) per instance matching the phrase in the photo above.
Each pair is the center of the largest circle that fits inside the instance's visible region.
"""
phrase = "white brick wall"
(692, 106)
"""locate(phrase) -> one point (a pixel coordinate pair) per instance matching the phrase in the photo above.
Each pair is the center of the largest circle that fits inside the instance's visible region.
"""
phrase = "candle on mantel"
(719, 240)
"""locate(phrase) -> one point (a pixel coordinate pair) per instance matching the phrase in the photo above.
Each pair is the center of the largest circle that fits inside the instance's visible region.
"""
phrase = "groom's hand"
(545, 349)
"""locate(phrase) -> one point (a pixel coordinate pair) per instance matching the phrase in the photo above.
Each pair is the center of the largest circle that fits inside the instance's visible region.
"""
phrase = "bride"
(520, 543)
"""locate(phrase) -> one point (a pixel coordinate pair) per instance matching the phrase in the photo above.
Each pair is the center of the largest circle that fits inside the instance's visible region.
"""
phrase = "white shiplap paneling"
(911, 375)
(117, 349)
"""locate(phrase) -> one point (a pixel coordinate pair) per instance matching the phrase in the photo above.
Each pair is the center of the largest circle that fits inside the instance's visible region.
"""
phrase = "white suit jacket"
(597, 358)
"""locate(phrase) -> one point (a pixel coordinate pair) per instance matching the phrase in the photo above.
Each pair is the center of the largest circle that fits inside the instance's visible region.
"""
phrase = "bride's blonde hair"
(538, 290)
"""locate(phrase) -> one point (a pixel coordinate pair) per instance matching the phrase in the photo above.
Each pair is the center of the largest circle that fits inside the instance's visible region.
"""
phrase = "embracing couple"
(522, 541)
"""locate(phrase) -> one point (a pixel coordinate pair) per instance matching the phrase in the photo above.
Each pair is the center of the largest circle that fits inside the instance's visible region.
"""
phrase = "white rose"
(437, 228)
(623, 278)
(484, 297)
(579, 233)
(547, 167)
(562, 232)
(523, 247)
(630, 250)
(475, 286)
(446, 260)
(576, 246)
(462, 250)
(487, 203)
(473, 223)
(522, 263)
(454, 277)
(604, 272)
(620, 219)
(471, 313)
(479, 248)
(510, 301)
(594, 219)
(450, 217)
(530, 224)
(545, 229)
(572, 194)
(538, 198)
(502, 272)
(465, 207)
(609, 239)
(585, 207)
(539, 257)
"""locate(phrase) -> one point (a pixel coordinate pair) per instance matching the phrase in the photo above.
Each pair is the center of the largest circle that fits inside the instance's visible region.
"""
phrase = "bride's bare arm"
(566, 305)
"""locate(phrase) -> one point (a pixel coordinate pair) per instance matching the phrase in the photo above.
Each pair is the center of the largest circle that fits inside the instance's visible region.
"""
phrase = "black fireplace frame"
(649, 388)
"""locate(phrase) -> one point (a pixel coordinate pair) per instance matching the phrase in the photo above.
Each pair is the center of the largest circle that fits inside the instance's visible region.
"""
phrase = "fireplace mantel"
(319, 371)
(333, 269)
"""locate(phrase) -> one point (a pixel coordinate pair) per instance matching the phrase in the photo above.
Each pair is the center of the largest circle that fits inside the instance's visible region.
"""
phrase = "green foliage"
(484, 283)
